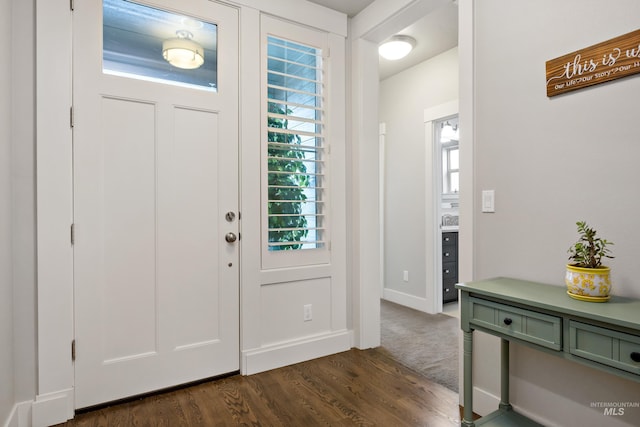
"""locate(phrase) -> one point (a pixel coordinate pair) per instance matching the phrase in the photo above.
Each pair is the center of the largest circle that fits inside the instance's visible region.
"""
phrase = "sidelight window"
(296, 162)
(295, 146)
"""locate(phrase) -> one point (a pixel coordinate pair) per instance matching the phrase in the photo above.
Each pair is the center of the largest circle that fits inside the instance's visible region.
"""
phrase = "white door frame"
(54, 401)
(378, 22)
(434, 199)
(381, 181)
(466, 121)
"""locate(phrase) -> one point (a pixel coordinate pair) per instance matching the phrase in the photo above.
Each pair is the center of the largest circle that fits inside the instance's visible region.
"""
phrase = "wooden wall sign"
(603, 62)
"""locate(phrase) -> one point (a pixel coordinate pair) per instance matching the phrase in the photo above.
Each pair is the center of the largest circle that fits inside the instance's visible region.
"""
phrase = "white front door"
(156, 284)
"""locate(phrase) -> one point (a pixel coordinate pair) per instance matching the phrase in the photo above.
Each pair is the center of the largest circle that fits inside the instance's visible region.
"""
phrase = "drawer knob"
(446, 254)
(635, 356)
(507, 321)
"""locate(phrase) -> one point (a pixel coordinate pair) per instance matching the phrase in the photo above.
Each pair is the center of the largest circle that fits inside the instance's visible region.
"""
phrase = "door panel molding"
(155, 170)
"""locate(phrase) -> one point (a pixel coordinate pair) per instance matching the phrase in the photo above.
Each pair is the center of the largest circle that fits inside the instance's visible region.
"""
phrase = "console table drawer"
(605, 346)
(527, 325)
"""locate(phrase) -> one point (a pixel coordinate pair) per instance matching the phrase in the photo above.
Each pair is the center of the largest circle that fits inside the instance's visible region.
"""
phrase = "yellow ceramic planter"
(588, 284)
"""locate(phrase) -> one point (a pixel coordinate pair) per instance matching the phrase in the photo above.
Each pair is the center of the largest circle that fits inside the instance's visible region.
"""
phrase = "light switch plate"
(488, 201)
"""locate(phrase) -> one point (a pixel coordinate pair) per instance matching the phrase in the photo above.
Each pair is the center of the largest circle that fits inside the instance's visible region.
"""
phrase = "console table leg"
(504, 375)
(467, 420)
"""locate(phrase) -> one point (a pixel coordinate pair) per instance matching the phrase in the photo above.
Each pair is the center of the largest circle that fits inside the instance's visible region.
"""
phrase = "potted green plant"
(586, 278)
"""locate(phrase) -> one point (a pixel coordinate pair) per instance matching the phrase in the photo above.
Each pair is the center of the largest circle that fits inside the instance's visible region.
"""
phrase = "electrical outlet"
(405, 276)
(308, 313)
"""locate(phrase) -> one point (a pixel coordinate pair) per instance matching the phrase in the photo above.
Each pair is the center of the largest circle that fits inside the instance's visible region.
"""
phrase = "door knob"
(230, 237)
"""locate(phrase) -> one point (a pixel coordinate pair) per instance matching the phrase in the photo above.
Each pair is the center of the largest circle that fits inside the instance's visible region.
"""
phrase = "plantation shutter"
(295, 175)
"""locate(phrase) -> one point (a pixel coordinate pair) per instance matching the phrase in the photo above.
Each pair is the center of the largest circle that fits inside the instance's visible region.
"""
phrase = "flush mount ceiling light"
(182, 51)
(396, 47)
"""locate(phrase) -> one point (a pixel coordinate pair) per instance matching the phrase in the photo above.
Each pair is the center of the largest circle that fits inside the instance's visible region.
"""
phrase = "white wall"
(6, 293)
(17, 210)
(537, 154)
(408, 177)
(273, 331)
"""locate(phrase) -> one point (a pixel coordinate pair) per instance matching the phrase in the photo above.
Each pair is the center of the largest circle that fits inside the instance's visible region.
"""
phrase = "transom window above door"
(146, 43)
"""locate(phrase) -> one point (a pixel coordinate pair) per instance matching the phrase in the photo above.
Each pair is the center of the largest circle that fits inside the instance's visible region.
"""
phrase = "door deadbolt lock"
(230, 216)
(230, 237)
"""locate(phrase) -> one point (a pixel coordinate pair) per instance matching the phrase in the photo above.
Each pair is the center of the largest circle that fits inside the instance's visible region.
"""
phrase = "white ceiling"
(349, 7)
(435, 33)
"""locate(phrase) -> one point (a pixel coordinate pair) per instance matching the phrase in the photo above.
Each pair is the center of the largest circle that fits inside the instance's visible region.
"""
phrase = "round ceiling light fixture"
(396, 47)
(182, 51)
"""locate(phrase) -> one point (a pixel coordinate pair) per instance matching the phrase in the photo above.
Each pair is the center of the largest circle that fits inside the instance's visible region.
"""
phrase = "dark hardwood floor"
(354, 388)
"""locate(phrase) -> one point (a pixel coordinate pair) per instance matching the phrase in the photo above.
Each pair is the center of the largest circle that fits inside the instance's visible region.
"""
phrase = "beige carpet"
(426, 343)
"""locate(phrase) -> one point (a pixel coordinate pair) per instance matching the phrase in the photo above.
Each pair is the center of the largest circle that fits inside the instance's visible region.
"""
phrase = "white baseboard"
(20, 415)
(290, 352)
(352, 338)
(411, 301)
(13, 421)
(52, 408)
(484, 402)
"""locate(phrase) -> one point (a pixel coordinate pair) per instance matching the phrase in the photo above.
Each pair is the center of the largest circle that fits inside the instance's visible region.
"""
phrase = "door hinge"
(73, 350)
(71, 116)
(73, 234)
(71, 5)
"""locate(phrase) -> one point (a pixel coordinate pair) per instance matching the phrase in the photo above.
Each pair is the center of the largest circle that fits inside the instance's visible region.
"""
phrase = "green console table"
(605, 336)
